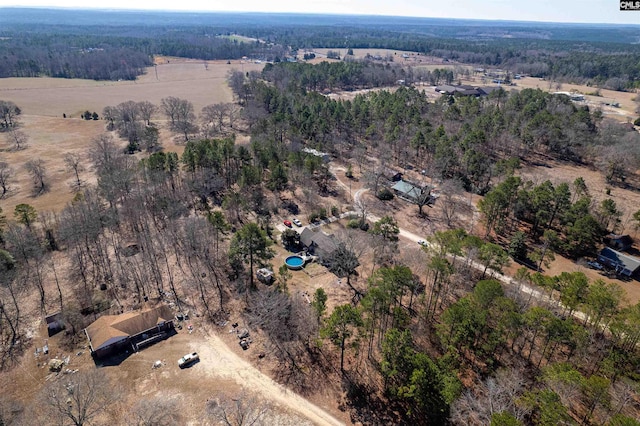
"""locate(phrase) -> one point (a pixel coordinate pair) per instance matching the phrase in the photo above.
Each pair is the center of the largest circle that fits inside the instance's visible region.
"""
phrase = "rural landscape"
(273, 219)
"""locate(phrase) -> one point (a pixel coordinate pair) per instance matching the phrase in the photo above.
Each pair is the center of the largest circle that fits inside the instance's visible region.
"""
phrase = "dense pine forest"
(436, 338)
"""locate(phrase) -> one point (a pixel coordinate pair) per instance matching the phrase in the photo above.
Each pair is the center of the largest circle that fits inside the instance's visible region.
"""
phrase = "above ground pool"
(294, 262)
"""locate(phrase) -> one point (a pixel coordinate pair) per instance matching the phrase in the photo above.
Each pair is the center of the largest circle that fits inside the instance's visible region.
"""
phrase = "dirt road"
(218, 360)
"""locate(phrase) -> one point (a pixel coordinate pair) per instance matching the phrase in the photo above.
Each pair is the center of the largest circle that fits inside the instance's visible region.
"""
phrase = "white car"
(296, 221)
(423, 243)
(188, 359)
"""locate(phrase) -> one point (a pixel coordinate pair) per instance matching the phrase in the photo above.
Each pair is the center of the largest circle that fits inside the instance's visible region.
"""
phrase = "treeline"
(564, 217)
(576, 61)
(70, 57)
(598, 55)
(67, 53)
(325, 76)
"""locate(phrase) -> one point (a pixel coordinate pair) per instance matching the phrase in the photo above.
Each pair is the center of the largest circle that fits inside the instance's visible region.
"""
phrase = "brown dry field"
(186, 79)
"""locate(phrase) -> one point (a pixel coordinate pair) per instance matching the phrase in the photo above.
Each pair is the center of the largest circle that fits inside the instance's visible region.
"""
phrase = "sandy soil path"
(219, 360)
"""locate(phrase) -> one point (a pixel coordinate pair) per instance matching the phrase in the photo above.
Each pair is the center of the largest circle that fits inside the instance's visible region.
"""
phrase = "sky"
(593, 11)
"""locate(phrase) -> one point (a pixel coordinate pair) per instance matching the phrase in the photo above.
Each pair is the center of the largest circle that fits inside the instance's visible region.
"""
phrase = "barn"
(129, 332)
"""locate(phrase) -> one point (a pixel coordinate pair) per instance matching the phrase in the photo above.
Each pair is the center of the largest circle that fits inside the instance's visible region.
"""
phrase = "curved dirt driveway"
(219, 360)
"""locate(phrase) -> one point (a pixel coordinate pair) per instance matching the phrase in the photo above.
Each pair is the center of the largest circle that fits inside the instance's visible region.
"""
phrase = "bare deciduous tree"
(79, 398)
(6, 173)
(72, 161)
(450, 201)
(159, 410)
(362, 206)
(18, 138)
(290, 324)
(240, 410)
(494, 395)
(147, 109)
(214, 115)
(36, 169)
(8, 114)
(114, 169)
(233, 113)
(236, 80)
(180, 114)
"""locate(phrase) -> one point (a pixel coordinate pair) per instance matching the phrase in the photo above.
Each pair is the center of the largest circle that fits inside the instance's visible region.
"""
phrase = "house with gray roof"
(623, 264)
(411, 192)
(318, 243)
(465, 90)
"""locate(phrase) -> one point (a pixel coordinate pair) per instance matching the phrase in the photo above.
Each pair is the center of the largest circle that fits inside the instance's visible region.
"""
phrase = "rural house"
(624, 265)
(318, 243)
(410, 192)
(465, 90)
(131, 331)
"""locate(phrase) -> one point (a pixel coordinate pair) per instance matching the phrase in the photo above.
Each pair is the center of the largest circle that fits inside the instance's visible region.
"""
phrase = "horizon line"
(183, 11)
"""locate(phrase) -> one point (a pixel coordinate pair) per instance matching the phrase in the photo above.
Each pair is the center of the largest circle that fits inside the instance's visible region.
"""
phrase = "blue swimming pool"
(294, 262)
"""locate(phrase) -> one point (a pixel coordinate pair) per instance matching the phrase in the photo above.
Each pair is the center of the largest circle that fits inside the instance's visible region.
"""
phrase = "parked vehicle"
(287, 223)
(188, 359)
(423, 243)
(595, 265)
(296, 221)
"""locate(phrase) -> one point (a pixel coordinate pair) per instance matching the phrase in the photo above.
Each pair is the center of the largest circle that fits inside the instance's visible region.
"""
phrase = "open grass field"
(186, 79)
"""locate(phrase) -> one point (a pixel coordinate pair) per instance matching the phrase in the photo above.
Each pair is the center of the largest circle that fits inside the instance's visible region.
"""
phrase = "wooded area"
(433, 335)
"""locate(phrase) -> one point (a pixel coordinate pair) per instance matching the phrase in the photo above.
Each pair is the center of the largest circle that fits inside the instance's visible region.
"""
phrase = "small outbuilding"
(265, 275)
(115, 334)
(323, 155)
(619, 242)
(55, 323)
